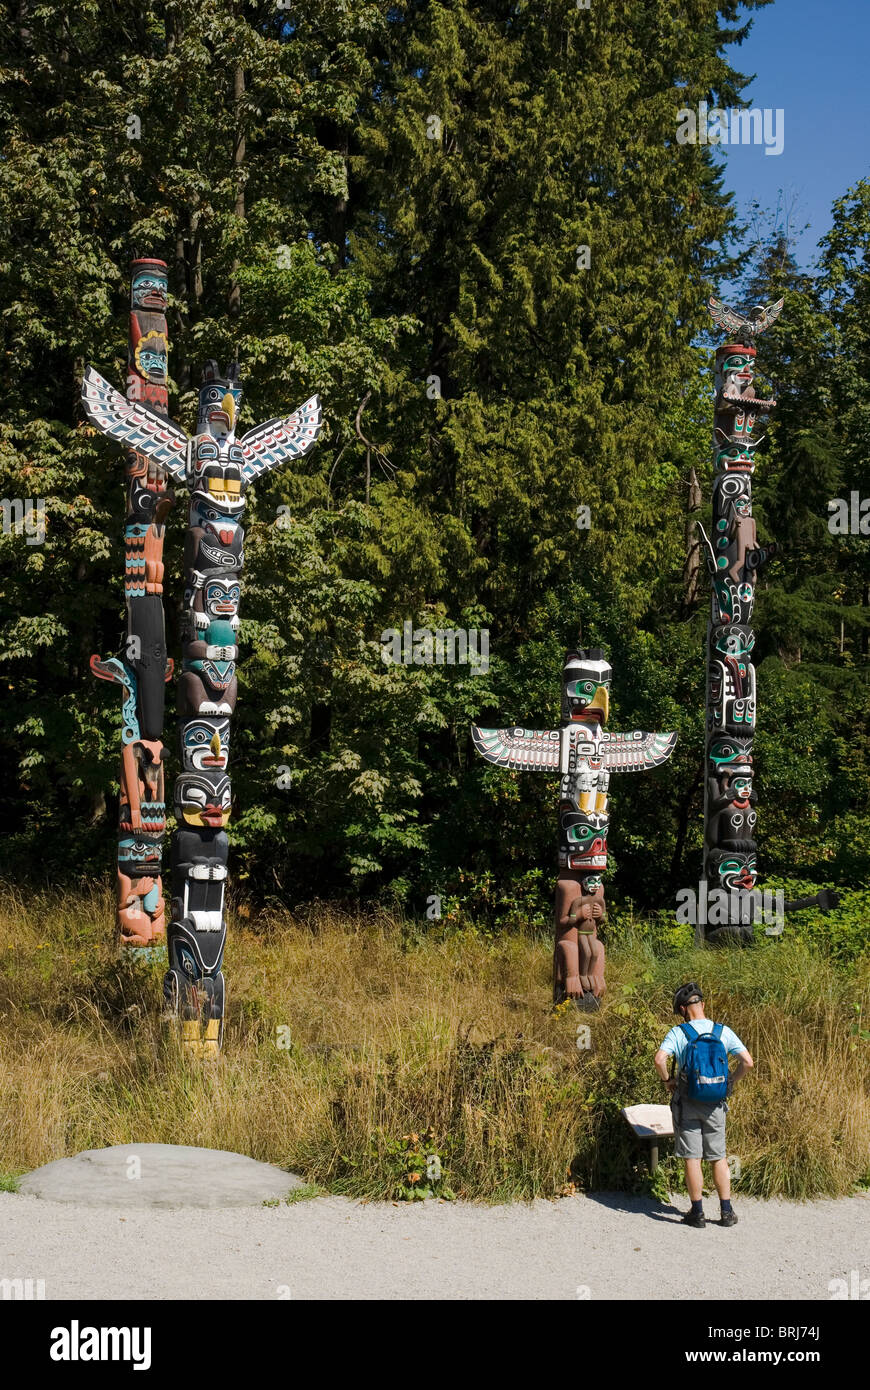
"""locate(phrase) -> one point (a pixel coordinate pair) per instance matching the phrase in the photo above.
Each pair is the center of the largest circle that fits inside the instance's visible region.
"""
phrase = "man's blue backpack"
(705, 1065)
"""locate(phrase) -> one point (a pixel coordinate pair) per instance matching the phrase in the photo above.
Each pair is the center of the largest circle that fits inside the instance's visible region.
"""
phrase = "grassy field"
(358, 1045)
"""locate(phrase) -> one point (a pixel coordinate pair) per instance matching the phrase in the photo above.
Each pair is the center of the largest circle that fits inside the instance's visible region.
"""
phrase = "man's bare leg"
(722, 1178)
(694, 1177)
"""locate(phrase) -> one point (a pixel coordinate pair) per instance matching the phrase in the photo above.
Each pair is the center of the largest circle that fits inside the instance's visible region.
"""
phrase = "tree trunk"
(692, 566)
(234, 302)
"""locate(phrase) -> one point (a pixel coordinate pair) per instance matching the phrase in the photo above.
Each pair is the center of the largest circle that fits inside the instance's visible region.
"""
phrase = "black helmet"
(687, 994)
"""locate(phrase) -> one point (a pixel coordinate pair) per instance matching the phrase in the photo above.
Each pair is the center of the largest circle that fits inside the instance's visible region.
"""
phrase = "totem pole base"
(728, 935)
(195, 1007)
(151, 955)
(584, 1003)
(199, 1041)
(200, 1036)
(202, 1041)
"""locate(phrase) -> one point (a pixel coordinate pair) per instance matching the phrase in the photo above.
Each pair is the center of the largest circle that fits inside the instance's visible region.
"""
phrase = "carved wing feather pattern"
(770, 314)
(732, 322)
(636, 751)
(134, 425)
(524, 750)
(725, 318)
(267, 445)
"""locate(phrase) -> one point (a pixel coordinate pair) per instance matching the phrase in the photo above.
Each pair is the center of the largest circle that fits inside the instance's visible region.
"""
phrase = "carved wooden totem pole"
(143, 668)
(585, 755)
(734, 559)
(216, 468)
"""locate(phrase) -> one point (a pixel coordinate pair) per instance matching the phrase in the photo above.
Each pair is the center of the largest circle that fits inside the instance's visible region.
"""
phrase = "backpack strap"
(717, 1031)
(688, 1031)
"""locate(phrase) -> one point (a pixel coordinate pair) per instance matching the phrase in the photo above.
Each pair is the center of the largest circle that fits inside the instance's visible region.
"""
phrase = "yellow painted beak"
(215, 744)
(601, 700)
(229, 405)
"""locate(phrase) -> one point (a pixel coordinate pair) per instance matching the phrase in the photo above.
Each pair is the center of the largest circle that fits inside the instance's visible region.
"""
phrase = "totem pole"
(585, 756)
(216, 468)
(734, 559)
(143, 669)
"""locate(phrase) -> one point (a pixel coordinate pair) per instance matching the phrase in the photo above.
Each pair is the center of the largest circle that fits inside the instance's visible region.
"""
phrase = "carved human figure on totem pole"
(734, 561)
(217, 468)
(585, 755)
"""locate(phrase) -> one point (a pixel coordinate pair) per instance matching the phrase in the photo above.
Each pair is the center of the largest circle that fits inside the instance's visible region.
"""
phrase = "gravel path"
(605, 1245)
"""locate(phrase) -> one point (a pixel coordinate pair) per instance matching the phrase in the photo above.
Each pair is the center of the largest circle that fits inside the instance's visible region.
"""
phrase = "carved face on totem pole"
(734, 456)
(139, 854)
(217, 473)
(205, 745)
(217, 600)
(584, 836)
(214, 533)
(733, 753)
(152, 356)
(149, 286)
(585, 688)
(729, 786)
(204, 799)
(733, 870)
(735, 372)
(218, 483)
(220, 399)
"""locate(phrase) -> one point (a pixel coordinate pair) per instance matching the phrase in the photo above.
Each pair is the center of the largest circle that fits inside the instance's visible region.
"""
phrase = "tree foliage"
(389, 204)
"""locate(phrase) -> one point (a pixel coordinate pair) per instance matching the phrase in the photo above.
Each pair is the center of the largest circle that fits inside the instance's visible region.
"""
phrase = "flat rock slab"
(159, 1175)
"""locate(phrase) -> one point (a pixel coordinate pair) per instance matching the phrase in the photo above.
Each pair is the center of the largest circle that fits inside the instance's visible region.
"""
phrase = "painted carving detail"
(216, 468)
(585, 756)
(734, 560)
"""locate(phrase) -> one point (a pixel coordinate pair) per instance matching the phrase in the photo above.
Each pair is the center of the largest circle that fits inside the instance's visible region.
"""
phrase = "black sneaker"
(728, 1218)
(695, 1218)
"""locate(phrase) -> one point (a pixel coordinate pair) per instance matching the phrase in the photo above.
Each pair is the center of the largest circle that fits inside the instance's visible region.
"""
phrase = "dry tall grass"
(391, 1032)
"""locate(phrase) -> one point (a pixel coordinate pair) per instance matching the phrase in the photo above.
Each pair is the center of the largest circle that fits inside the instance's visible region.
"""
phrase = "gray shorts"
(699, 1130)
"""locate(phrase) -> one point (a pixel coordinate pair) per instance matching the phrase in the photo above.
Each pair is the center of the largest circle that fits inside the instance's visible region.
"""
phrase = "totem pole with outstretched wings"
(216, 467)
(585, 756)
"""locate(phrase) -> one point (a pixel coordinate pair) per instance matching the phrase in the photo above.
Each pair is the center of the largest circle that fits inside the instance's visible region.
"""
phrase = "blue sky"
(811, 58)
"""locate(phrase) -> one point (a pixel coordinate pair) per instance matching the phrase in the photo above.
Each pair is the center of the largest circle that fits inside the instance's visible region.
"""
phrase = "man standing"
(698, 1096)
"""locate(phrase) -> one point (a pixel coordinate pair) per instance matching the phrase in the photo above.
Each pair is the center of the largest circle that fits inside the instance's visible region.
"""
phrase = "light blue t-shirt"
(676, 1042)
